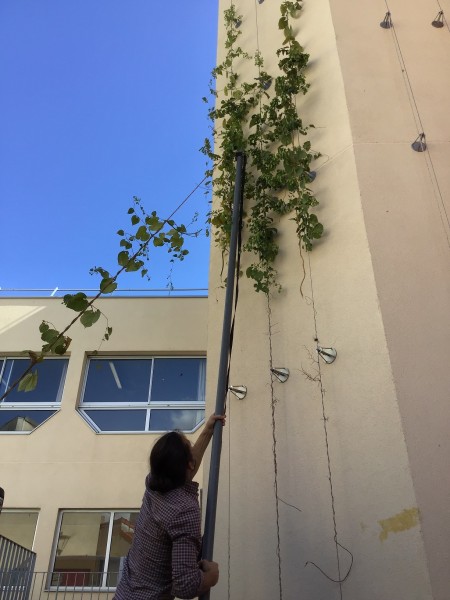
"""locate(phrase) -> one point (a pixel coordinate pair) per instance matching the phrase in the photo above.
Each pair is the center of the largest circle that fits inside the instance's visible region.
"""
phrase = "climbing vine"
(260, 117)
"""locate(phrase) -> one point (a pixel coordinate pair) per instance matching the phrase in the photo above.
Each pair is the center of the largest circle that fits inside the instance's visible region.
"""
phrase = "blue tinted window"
(178, 380)
(130, 392)
(51, 374)
(167, 420)
(118, 380)
(118, 420)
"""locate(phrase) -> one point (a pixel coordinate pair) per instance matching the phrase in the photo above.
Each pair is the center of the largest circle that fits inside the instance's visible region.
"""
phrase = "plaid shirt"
(163, 559)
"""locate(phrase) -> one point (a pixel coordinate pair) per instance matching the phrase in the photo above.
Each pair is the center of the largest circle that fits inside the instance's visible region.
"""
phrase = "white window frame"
(103, 587)
(27, 511)
(53, 405)
(147, 406)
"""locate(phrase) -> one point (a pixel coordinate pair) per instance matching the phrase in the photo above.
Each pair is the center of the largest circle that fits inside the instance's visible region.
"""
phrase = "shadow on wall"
(16, 314)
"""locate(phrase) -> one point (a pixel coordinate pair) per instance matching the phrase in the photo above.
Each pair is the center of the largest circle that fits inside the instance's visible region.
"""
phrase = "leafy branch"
(131, 258)
(260, 117)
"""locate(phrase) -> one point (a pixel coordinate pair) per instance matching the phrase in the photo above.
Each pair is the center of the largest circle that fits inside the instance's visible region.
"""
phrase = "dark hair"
(169, 461)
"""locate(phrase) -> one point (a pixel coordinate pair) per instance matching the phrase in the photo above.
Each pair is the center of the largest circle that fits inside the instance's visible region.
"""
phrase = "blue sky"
(100, 102)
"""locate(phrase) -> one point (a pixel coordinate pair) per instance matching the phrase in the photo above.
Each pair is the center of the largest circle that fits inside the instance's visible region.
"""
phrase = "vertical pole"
(216, 446)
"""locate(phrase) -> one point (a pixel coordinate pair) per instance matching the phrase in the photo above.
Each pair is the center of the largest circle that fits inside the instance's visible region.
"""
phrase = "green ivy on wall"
(260, 117)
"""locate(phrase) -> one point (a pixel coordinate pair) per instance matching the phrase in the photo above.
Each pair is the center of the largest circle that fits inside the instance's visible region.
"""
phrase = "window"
(22, 412)
(91, 547)
(144, 394)
(19, 526)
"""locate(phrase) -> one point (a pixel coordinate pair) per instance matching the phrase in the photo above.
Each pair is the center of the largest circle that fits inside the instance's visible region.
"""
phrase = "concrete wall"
(397, 85)
(64, 463)
(373, 288)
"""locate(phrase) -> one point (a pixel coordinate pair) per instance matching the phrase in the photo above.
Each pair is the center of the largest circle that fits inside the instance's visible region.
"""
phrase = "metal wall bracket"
(280, 373)
(240, 391)
(327, 354)
(438, 20)
(386, 23)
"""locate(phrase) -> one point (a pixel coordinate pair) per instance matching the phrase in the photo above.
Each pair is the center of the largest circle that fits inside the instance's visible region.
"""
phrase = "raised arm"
(198, 449)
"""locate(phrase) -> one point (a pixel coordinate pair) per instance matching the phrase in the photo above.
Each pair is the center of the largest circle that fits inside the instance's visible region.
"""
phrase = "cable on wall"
(229, 500)
(420, 131)
(340, 580)
(273, 402)
(441, 15)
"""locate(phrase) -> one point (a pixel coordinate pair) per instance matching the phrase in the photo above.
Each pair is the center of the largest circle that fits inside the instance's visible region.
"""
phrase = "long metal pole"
(216, 446)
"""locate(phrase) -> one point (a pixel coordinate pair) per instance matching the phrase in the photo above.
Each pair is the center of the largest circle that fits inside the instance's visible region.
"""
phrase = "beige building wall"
(64, 464)
(376, 288)
(402, 90)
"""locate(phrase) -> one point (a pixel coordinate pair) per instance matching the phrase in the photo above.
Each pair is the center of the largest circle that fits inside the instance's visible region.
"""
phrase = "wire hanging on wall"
(273, 402)
(440, 18)
(327, 353)
(229, 503)
(419, 145)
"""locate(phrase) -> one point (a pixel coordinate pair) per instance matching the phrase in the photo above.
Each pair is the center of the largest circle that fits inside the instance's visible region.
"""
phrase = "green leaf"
(317, 231)
(142, 234)
(49, 335)
(123, 258)
(153, 223)
(29, 382)
(108, 286)
(130, 211)
(126, 244)
(57, 344)
(100, 271)
(44, 326)
(90, 317)
(135, 219)
(134, 265)
(121, 232)
(77, 302)
(60, 348)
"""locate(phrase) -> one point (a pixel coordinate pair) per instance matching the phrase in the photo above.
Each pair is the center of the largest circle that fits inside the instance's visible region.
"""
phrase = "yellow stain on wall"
(403, 521)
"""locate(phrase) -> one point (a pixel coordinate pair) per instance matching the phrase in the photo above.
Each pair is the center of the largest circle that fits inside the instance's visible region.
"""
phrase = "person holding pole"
(163, 560)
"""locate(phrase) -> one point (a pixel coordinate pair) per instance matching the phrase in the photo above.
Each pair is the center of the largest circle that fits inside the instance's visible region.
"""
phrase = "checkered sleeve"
(185, 533)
